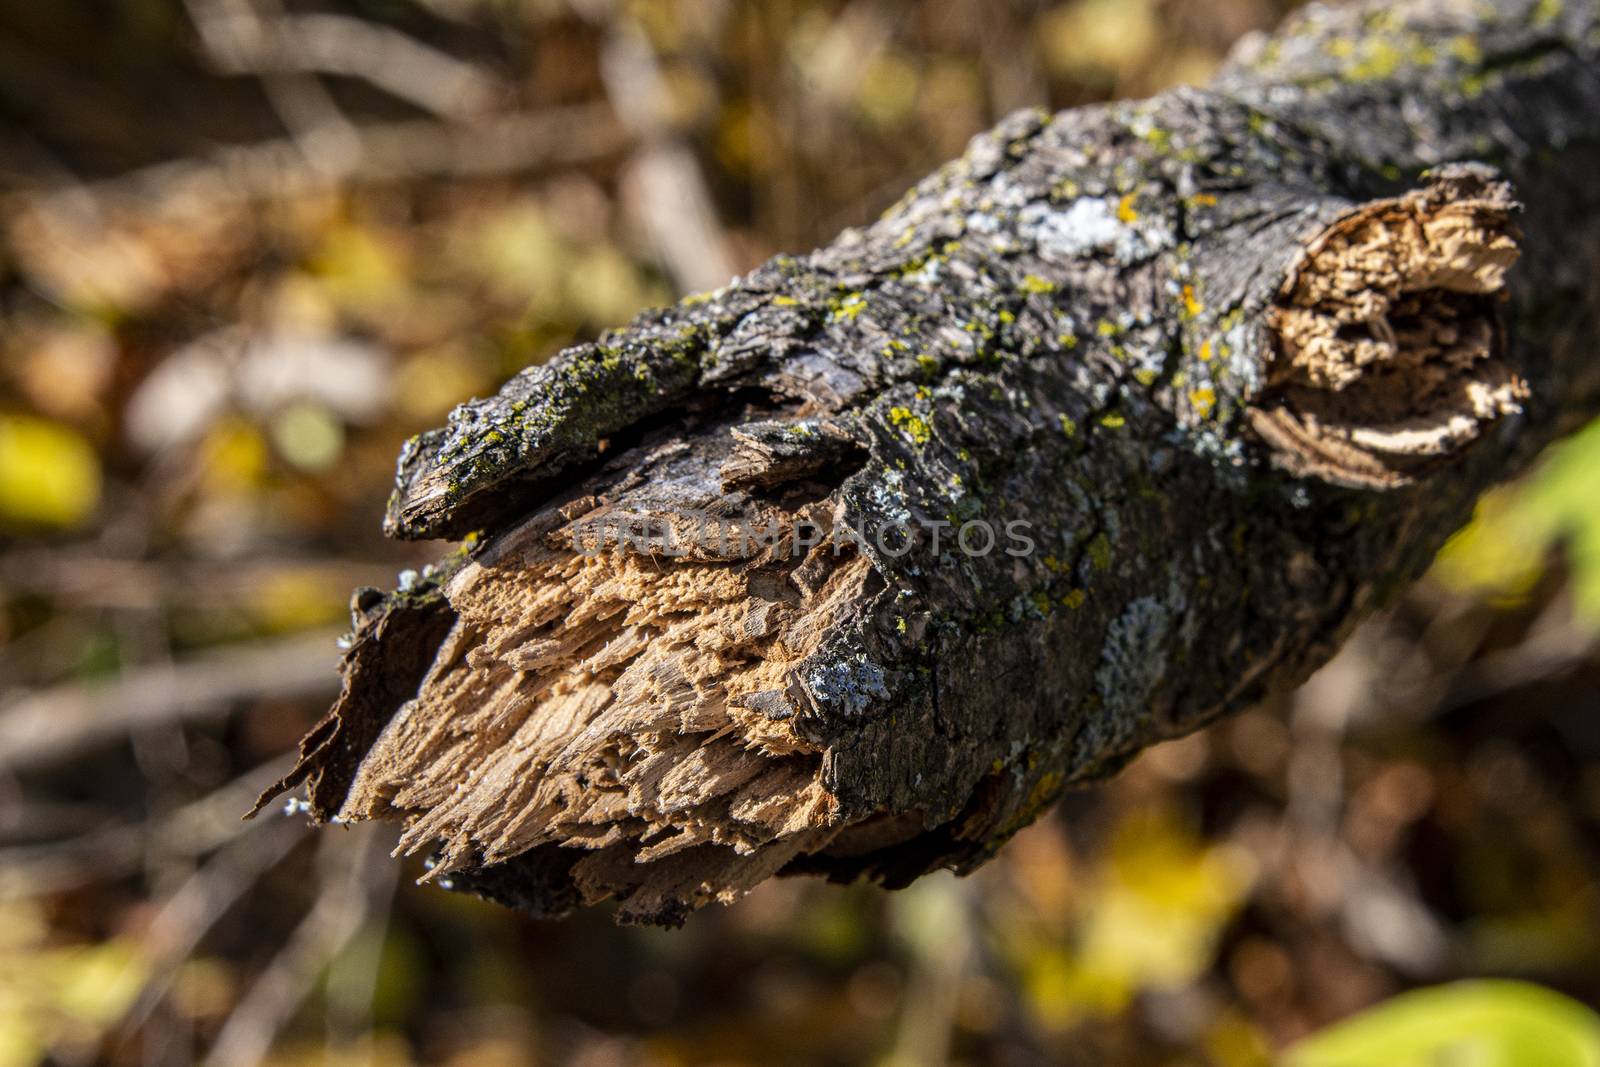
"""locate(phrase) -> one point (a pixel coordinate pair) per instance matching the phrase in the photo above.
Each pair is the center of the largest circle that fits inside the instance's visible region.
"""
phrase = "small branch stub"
(1389, 346)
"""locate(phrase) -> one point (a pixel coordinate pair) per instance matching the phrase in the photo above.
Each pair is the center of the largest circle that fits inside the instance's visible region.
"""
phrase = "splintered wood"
(620, 703)
(1388, 340)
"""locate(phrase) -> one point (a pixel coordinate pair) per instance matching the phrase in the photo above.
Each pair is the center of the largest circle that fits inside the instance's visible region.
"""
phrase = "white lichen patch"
(849, 685)
(1090, 226)
(1132, 659)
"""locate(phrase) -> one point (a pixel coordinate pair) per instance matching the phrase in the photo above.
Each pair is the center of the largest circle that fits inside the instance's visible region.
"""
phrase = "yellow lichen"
(1099, 551)
(1466, 49)
(1382, 59)
(849, 307)
(913, 425)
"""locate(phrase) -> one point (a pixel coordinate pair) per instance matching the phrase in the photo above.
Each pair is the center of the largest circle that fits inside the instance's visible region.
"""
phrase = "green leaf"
(1502, 553)
(1480, 1023)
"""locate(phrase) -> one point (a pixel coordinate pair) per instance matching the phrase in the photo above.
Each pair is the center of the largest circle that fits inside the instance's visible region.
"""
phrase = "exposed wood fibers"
(620, 703)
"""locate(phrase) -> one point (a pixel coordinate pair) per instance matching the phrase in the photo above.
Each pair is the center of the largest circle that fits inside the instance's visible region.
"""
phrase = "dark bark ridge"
(1239, 358)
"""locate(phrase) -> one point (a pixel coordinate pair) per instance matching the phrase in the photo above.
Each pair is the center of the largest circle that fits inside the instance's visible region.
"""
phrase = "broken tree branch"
(1110, 425)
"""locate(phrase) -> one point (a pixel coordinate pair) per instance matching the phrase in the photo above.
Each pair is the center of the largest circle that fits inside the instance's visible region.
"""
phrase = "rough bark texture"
(1237, 358)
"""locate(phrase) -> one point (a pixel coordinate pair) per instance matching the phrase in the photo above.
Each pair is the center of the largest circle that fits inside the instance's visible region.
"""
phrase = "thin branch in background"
(201, 901)
(391, 152)
(93, 580)
(812, 109)
(1384, 917)
(353, 882)
(353, 980)
(192, 830)
(664, 183)
(383, 57)
(231, 31)
(242, 39)
(1554, 647)
(46, 727)
(938, 920)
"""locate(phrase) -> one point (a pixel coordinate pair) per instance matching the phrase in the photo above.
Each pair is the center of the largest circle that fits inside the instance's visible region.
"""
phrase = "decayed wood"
(1217, 371)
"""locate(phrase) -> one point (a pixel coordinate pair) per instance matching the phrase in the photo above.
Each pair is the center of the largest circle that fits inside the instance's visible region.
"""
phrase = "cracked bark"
(1238, 359)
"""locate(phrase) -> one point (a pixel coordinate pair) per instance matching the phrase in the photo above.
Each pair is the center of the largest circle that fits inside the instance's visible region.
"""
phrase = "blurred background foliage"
(248, 246)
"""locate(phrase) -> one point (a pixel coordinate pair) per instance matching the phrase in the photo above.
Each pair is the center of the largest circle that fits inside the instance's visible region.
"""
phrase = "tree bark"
(1234, 360)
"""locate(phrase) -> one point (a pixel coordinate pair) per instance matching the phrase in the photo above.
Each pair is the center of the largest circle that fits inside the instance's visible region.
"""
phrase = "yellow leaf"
(1166, 896)
(49, 475)
(234, 456)
(95, 983)
(431, 382)
(362, 269)
(298, 599)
